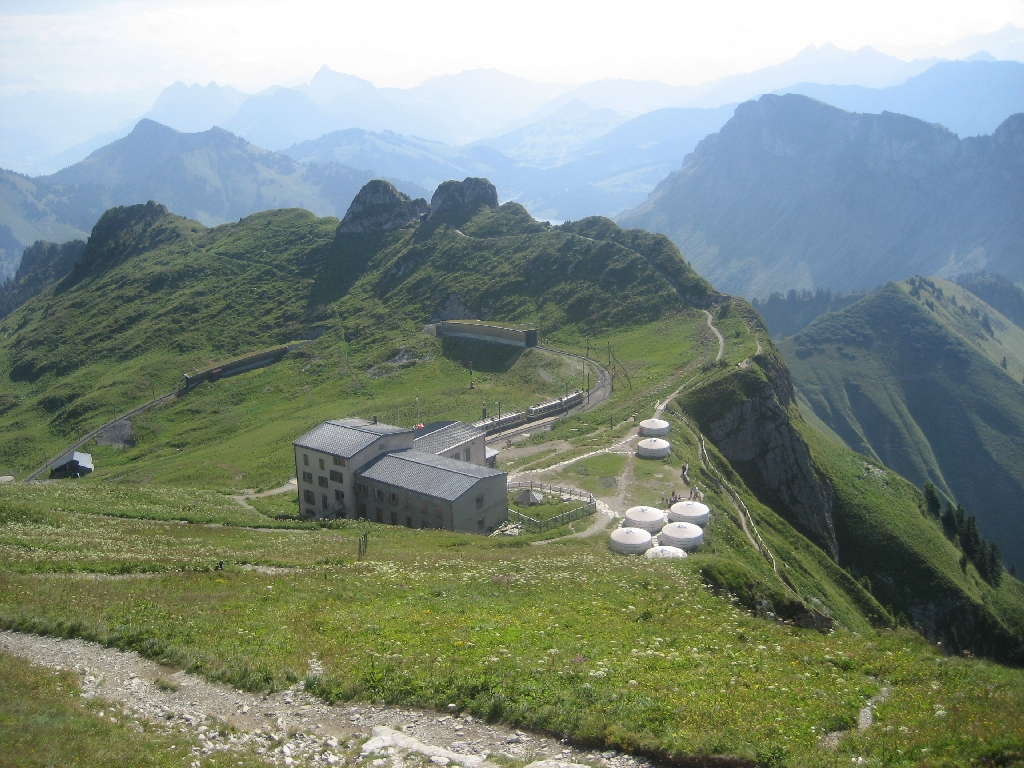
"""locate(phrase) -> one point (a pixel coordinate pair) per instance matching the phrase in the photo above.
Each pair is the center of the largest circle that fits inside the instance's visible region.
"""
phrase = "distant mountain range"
(971, 98)
(212, 176)
(41, 132)
(793, 193)
(575, 161)
(927, 378)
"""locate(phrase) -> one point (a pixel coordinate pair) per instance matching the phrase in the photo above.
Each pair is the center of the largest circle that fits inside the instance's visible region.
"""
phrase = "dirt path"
(290, 727)
(721, 338)
(243, 498)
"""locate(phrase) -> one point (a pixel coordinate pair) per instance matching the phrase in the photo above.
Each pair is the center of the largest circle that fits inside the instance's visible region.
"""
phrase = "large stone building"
(433, 477)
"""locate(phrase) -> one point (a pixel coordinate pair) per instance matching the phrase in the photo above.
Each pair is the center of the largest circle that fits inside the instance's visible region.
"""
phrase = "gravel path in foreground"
(292, 727)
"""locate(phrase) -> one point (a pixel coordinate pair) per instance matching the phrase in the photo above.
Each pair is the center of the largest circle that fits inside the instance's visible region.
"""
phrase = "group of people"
(694, 495)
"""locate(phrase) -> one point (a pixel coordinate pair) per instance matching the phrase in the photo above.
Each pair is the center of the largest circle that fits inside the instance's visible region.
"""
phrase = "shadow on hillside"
(486, 357)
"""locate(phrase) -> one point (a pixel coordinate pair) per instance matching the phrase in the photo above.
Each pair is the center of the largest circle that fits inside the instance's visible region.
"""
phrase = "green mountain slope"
(911, 377)
(794, 193)
(156, 294)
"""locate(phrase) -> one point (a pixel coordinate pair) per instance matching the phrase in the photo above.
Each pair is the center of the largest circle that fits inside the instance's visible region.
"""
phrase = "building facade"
(433, 477)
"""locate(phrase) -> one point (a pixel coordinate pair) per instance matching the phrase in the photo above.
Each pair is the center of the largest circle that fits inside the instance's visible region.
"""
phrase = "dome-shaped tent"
(654, 427)
(649, 519)
(630, 541)
(683, 535)
(653, 448)
(689, 512)
(662, 552)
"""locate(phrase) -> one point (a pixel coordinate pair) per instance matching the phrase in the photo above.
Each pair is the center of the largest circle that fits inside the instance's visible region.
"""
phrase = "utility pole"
(588, 346)
(471, 375)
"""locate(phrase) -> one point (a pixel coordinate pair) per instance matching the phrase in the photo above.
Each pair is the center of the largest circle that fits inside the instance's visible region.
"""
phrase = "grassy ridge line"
(933, 402)
(186, 296)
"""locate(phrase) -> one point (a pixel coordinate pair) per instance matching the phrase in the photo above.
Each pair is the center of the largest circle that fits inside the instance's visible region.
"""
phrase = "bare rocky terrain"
(291, 727)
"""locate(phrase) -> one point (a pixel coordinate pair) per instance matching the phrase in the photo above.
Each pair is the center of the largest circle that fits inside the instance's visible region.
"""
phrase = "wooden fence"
(539, 526)
(559, 490)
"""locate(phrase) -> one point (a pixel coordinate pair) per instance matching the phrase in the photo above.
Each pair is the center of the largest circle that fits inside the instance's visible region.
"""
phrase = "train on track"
(533, 413)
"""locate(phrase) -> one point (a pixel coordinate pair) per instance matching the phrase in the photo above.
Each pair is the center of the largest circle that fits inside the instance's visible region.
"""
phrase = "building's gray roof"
(346, 437)
(426, 473)
(441, 436)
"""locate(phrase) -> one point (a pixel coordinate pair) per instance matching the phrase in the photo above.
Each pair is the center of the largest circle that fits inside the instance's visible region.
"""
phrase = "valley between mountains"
(826, 584)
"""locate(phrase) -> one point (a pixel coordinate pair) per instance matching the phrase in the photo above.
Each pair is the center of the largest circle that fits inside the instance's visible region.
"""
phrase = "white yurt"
(654, 427)
(689, 512)
(649, 519)
(662, 552)
(653, 448)
(630, 541)
(683, 535)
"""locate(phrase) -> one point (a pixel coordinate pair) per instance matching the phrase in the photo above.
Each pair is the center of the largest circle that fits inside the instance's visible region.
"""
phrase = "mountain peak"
(466, 197)
(379, 207)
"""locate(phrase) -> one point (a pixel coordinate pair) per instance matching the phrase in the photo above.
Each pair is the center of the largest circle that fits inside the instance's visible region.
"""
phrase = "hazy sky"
(110, 45)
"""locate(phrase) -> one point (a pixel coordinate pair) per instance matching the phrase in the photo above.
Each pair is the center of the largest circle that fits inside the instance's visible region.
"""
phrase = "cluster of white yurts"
(651, 532)
(653, 446)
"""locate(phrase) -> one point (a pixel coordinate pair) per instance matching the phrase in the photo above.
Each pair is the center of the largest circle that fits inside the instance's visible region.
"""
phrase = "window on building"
(307, 477)
(480, 502)
(305, 459)
(339, 462)
(337, 477)
(394, 518)
(408, 521)
(323, 500)
(394, 498)
(339, 496)
(379, 494)
(380, 515)
(321, 463)
(309, 497)
(467, 453)
(480, 525)
(321, 481)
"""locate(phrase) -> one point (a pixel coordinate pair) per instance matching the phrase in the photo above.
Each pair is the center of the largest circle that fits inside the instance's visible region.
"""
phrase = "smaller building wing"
(426, 473)
(442, 436)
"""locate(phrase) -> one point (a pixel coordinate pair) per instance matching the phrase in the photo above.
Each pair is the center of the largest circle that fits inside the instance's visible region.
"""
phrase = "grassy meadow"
(567, 638)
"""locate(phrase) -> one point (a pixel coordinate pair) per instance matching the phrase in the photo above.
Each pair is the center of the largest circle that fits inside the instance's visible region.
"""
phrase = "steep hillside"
(913, 376)
(999, 293)
(792, 193)
(29, 212)
(42, 264)
(872, 522)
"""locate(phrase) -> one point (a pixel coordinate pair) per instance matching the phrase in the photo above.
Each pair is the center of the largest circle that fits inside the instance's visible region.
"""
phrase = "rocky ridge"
(379, 207)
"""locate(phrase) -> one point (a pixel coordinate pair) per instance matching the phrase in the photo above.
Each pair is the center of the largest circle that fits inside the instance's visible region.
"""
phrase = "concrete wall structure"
(483, 331)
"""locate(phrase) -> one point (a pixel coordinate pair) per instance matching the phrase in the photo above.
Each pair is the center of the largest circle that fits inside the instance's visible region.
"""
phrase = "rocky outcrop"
(451, 308)
(467, 196)
(756, 435)
(379, 207)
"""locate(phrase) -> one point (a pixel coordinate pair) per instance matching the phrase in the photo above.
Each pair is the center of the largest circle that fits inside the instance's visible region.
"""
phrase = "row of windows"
(310, 498)
(307, 477)
(338, 461)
